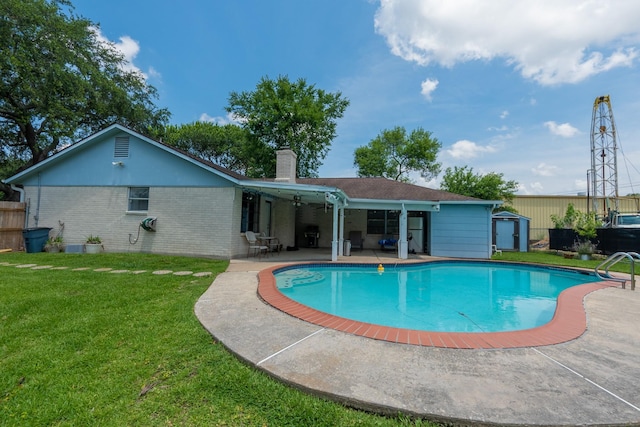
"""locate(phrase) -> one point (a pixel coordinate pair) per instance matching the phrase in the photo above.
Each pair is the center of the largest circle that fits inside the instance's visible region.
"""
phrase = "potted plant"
(54, 244)
(584, 248)
(93, 245)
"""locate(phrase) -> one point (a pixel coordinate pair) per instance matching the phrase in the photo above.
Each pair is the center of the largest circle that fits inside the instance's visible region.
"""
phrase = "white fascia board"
(494, 203)
(412, 205)
(286, 186)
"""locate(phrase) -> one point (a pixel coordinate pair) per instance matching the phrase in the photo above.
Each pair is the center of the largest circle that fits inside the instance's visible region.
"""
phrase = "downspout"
(37, 215)
(19, 190)
(22, 197)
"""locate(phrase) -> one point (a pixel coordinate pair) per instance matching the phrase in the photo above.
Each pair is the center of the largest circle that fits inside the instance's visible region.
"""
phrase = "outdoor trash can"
(347, 248)
(35, 238)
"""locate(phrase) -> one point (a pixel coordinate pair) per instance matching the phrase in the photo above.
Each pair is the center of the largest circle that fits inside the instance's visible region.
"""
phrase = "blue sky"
(505, 86)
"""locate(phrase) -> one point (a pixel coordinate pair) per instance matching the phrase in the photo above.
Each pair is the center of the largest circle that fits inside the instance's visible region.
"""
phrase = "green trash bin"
(35, 238)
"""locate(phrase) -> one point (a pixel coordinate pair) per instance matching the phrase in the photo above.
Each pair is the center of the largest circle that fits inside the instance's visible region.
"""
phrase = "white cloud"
(229, 118)
(564, 130)
(504, 114)
(544, 169)
(548, 41)
(468, 150)
(129, 48)
(427, 88)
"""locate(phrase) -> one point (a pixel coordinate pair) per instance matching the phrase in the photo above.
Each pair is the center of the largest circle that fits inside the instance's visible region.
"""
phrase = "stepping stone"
(42, 267)
(119, 271)
(80, 269)
(138, 271)
(162, 272)
(103, 269)
(60, 268)
(202, 274)
(26, 265)
(183, 273)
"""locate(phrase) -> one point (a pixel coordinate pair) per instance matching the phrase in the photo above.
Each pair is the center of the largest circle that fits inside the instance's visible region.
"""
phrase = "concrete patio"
(588, 381)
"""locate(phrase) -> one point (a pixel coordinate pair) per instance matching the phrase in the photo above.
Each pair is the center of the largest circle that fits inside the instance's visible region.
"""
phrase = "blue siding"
(147, 165)
(461, 231)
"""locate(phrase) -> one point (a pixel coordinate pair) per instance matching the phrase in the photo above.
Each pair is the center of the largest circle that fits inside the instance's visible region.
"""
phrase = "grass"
(558, 258)
(95, 348)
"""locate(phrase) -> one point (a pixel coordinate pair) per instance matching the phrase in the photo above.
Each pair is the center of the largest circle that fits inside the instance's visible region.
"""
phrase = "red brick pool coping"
(568, 323)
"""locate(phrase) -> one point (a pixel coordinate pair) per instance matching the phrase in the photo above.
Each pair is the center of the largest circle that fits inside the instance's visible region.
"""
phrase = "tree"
(225, 145)
(491, 186)
(61, 82)
(393, 154)
(281, 113)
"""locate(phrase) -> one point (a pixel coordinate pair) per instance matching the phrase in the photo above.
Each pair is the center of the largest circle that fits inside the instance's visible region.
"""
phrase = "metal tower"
(604, 165)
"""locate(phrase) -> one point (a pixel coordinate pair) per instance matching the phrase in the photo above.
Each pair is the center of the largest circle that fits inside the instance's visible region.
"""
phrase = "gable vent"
(122, 147)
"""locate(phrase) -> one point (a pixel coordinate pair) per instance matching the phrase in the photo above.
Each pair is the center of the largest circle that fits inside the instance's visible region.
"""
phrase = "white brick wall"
(191, 221)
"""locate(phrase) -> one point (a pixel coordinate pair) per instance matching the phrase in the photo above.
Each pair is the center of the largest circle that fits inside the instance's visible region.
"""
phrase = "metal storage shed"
(510, 231)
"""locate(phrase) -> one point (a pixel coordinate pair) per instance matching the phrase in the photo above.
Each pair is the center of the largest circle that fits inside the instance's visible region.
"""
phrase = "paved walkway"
(592, 380)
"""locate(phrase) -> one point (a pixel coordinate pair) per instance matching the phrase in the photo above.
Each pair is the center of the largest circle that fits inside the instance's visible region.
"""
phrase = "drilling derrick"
(604, 167)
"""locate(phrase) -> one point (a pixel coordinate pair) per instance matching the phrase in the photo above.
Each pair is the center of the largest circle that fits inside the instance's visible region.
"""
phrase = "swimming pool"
(437, 296)
(568, 322)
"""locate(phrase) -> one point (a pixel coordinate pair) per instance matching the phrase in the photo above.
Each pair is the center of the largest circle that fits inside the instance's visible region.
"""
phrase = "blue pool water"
(438, 296)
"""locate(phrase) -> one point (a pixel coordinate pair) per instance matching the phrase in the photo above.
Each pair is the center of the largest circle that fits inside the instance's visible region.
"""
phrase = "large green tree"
(393, 154)
(491, 186)
(225, 145)
(281, 113)
(61, 82)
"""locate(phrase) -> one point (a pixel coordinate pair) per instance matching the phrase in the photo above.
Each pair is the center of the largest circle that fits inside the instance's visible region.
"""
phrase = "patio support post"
(341, 233)
(403, 244)
(334, 241)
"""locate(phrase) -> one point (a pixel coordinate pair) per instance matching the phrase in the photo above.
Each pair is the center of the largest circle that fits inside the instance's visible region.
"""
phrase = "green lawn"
(557, 258)
(96, 348)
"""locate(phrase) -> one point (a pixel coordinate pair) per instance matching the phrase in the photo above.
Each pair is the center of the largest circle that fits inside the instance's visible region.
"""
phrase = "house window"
(250, 212)
(138, 199)
(383, 222)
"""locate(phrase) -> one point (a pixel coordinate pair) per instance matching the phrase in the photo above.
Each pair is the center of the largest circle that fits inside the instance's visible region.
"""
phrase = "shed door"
(507, 235)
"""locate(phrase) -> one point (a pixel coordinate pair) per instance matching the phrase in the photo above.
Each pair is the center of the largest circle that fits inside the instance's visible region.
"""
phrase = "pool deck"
(591, 380)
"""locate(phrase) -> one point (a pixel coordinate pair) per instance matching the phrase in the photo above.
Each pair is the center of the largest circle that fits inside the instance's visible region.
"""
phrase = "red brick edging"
(568, 323)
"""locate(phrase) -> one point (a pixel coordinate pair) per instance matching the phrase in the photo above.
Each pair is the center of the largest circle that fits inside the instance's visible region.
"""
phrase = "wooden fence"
(12, 216)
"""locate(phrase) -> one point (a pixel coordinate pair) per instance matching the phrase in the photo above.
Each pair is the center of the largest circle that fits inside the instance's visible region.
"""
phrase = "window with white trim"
(138, 199)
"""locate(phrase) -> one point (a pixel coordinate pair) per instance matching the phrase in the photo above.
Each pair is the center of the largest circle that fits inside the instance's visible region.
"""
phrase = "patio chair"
(255, 245)
(388, 243)
(271, 241)
(356, 239)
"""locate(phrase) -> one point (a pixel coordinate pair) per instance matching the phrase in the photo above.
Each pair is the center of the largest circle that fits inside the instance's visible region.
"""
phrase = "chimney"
(286, 165)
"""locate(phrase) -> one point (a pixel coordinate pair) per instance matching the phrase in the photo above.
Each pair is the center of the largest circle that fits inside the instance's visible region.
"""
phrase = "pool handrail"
(614, 259)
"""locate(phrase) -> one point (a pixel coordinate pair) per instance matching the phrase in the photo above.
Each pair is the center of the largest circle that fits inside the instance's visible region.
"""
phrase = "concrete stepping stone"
(26, 265)
(81, 269)
(42, 267)
(103, 269)
(138, 271)
(160, 272)
(202, 274)
(183, 273)
(118, 271)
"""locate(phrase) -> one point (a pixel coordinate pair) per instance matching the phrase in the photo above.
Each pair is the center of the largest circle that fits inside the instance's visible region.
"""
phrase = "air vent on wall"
(122, 147)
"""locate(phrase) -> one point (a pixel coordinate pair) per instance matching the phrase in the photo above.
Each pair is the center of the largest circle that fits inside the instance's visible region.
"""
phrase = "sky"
(505, 86)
